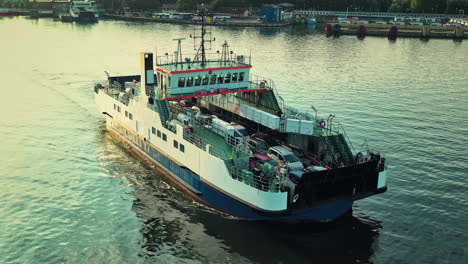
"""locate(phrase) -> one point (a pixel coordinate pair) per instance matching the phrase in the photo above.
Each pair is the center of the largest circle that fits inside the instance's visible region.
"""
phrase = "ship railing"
(204, 144)
(210, 57)
(116, 91)
(338, 128)
(261, 181)
(262, 82)
(295, 113)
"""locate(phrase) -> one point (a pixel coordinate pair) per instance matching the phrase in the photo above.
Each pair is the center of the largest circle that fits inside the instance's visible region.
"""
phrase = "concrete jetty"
(413, 31)
(230, 23)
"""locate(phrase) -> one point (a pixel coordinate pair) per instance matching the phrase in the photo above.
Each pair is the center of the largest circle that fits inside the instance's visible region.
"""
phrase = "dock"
(394, 31)
(229, 23)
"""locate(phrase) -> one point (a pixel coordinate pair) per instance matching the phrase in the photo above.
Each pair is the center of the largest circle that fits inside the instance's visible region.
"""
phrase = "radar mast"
(200, 56)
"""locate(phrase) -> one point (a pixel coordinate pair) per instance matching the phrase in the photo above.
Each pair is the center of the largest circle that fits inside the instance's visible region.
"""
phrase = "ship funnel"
(147, 71)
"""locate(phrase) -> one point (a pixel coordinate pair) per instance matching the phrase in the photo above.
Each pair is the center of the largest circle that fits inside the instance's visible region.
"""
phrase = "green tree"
(185, 5)
(144, 5)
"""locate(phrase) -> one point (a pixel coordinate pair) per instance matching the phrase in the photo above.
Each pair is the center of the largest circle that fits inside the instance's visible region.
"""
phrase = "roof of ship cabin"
(198, 67)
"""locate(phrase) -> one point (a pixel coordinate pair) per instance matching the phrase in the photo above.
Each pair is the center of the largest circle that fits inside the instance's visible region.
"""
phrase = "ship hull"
(212, 197)
(9, 14)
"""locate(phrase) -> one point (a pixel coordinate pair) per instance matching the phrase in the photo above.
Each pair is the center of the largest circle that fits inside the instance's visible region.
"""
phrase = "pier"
(394, 31)
(232, 23)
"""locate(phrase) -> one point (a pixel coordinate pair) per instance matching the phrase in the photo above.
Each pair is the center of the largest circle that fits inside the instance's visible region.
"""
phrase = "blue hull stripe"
(219, 200)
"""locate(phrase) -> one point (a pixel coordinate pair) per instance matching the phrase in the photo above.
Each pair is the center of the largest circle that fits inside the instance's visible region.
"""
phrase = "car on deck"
(283, 155)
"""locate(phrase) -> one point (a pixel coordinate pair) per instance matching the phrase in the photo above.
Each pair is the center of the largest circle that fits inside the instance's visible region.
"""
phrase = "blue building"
(271, 13)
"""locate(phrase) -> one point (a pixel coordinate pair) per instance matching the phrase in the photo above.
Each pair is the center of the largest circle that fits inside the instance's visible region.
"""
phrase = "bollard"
(336, 30)
(458, 33)
(392, 33)
(328, 30)
(361, 33)
(425, 32)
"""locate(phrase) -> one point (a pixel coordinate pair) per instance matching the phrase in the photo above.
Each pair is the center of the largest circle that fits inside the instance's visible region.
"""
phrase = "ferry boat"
(80, 11)
(228, 139)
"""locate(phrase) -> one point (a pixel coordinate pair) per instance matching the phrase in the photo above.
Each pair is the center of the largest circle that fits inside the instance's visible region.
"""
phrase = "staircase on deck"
(163, 110)
(339, 145)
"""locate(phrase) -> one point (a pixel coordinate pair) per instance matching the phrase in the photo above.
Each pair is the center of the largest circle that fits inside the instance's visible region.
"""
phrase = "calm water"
(70, 194)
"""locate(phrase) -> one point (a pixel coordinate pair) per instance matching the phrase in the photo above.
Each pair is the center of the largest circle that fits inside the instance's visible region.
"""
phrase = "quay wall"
(179, 21)
(403, 30)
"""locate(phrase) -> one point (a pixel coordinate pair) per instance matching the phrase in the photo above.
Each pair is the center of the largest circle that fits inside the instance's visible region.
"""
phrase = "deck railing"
(262, 82)
(170, 59)
(264, 181)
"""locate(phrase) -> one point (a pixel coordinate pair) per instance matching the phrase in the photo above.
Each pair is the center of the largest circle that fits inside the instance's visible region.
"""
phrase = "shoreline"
(237, 23)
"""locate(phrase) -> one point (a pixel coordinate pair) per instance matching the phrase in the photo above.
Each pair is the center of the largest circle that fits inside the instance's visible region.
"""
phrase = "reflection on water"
(172, 222)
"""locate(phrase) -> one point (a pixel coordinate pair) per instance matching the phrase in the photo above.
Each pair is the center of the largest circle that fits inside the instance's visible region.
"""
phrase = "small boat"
(80, 11)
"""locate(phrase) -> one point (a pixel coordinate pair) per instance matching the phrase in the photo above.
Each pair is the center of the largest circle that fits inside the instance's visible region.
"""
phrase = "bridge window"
(213, 79)
(158, 133)
(198, 81)
(228, 78)
(221, 78)
(189, 81)
(118, 109)
(126, 114)
(234, 77)
(181, 148)
(164, 137)
(130, 116)
(181, 82)
(205, 80)
(153, 130)
(241, 77)
(176, 144)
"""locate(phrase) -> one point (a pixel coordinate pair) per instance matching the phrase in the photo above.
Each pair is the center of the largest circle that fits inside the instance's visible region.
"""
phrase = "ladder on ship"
(163, 110)
(338, 144)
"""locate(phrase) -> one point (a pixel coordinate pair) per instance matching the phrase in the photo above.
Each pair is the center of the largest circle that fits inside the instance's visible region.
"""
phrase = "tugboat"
(80, 11)
(228, 139)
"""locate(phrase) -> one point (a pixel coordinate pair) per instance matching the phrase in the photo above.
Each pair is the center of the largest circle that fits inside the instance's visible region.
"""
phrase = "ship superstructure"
(226, 137)
(80, 11)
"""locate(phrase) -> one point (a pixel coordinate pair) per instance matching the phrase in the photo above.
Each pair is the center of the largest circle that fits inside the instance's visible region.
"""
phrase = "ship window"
(169, 80)
(189, 81)
(228, 78)
(115, 107)
(205, 80)
(118, 109)
(130, 116)
(220, 78)
(181, 81)
(241, 77)
(213, 79)
(164, 137)
(234, 77)
(126, 114)
(176, 144)
(153, 130)
(181, 148)
(158, 133)
(198, 81)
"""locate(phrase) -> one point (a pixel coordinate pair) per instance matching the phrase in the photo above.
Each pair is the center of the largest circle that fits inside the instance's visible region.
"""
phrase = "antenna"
(178, 53)
(224, 55)
(155, 53)
(201, 53)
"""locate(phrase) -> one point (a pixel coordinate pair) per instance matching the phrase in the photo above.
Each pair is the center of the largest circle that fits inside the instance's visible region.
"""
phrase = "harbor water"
(69, 193)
